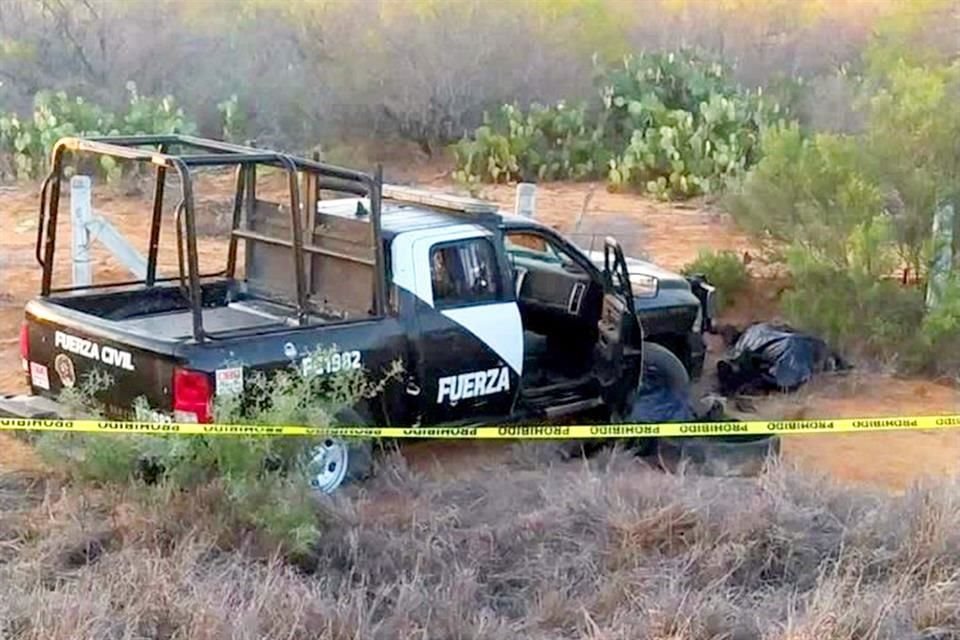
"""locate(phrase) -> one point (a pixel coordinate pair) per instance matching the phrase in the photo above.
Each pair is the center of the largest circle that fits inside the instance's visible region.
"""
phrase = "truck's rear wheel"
(333, 462)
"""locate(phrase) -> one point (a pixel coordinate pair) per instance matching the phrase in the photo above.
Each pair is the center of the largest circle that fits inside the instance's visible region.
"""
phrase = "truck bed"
(163, 313)
(138, 335)
(176, 325)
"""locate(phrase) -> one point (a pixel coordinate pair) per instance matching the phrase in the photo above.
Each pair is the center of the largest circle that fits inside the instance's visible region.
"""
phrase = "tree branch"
(61, 17)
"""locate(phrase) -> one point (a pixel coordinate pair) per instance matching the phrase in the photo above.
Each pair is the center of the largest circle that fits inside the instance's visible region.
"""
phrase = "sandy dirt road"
(670, 234)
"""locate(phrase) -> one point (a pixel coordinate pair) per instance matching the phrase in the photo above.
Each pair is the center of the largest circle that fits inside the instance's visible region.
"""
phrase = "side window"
(526, 243)
(464, 272)
(535, 247)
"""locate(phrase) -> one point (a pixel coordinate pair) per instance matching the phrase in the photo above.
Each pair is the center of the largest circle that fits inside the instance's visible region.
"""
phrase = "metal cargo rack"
(158, 150)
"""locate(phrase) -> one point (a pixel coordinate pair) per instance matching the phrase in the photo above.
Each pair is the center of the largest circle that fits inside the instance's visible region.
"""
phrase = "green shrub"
(153, 115)
(263, 480)
(910, 149)
(673, 124)
(546, 143)
(875, 317)
(724, 270)
(816, 196)
(850, 308)
(857, 210)
(235, 122)
(28, 141)
(91, 458)
(684, 126)
(816, 193)
(820, 190)
(940, 334)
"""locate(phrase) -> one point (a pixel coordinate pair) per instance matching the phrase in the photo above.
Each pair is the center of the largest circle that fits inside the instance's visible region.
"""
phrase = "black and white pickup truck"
(495, 318)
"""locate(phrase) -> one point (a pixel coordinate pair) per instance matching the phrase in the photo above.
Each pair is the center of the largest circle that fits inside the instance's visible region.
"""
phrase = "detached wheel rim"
(327, 465)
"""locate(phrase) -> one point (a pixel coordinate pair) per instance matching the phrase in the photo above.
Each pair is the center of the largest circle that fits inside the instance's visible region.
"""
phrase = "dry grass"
(531, 548)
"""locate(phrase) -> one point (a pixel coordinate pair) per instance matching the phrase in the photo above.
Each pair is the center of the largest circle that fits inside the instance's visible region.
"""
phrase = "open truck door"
(616, 360)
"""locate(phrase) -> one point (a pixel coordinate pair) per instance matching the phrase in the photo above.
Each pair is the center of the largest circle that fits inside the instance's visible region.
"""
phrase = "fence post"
(943, 219)
(81, 213)
(526, 202)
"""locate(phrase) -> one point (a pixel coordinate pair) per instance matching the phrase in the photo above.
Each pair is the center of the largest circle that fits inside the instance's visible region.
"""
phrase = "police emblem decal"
(63, 365)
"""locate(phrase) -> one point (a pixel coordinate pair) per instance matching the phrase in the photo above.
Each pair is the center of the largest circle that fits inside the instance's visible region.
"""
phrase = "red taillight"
(192, 396)
(25, 347)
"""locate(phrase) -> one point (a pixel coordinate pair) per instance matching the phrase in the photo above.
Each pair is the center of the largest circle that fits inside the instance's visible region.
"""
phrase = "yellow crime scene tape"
(503, 432)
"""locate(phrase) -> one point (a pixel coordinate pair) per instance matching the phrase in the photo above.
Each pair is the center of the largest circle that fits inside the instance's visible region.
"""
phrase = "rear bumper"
(30, 407)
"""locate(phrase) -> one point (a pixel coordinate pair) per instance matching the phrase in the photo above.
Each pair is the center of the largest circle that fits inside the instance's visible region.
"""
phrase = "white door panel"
(496, 324)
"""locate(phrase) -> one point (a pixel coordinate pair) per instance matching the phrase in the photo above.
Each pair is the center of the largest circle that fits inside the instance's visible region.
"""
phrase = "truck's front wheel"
(662, 370)
(333, 463)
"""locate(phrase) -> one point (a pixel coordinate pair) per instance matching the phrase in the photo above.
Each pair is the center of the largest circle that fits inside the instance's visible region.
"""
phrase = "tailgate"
(65, 350)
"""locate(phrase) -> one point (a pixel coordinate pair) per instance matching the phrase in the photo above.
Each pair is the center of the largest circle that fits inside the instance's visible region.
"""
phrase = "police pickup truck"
(495, 318)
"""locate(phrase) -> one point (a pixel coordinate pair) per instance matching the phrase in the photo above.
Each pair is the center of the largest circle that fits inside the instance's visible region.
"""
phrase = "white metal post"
(81, 213)
(526, 203)
(942, 253)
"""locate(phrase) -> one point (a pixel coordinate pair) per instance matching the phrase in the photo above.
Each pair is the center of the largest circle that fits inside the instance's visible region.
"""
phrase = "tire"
(660, 368)
(722, 456)
(661, 365)
(334, 463)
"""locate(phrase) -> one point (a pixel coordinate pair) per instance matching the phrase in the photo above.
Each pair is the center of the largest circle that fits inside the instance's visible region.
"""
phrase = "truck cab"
(499, 331)
(540, 306)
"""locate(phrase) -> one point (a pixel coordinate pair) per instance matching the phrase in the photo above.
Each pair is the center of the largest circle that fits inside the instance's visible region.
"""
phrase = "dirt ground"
(670, 234)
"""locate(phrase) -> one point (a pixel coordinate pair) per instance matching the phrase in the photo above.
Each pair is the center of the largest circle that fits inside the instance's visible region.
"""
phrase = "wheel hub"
(327, 466)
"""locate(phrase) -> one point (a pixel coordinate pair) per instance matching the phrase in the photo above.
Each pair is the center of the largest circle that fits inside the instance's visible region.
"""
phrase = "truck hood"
(668, 279)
